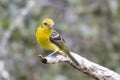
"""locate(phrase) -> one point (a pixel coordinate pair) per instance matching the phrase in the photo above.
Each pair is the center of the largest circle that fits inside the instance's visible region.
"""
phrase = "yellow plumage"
(49, 39)
(43, 34)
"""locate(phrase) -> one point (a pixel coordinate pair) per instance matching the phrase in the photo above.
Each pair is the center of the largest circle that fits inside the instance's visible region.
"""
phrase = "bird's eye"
(45, 23)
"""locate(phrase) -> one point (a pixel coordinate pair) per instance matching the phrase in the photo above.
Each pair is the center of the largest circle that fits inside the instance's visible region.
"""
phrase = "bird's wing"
(57, 39)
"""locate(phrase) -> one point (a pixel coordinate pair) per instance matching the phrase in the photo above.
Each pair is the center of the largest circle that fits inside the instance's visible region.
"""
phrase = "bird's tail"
(72, 58)
(65, 49)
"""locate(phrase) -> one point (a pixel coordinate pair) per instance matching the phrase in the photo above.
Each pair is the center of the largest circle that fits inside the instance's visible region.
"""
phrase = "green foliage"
(22, 77)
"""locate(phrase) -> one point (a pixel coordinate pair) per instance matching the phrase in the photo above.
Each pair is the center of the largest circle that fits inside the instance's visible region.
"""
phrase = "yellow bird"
(49, 39)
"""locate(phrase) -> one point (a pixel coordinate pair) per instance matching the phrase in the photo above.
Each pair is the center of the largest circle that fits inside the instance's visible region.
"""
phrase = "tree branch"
(94, 70)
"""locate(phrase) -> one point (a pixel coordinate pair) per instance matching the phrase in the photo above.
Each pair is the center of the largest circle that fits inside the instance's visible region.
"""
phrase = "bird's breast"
(43, 40)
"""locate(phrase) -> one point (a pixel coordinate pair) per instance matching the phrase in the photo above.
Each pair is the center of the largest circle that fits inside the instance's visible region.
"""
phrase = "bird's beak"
(50, 26)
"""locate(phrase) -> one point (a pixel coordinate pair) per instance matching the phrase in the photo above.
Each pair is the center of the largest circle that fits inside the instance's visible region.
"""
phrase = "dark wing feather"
(57, 39)
(60, 42)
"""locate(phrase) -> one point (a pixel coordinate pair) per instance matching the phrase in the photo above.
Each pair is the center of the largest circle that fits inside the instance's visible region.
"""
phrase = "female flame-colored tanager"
(49, 39)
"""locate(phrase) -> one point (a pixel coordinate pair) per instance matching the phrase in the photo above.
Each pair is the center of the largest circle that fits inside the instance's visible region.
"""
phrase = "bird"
(50, 39)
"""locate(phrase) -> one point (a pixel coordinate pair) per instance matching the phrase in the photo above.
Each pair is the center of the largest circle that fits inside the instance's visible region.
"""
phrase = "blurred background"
(91, 28)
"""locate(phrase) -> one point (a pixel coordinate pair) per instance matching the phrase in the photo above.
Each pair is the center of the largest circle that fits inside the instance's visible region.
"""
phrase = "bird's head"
(48, 23)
